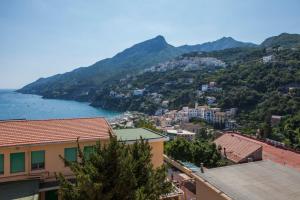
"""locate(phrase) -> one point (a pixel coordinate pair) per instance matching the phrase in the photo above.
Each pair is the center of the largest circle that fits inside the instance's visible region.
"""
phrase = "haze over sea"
(26, 106)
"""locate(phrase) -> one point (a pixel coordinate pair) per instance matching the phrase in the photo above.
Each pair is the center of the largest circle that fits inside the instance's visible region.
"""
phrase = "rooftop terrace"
(133, 134)
(261, 180)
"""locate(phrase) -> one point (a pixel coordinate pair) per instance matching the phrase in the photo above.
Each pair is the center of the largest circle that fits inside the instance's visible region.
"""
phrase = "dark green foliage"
(115, 171)
(284, 40)
(198, 151)
(143, 123)
(288, 131)
(223, 43)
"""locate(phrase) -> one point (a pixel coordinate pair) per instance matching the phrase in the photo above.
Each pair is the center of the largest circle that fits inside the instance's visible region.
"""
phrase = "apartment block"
(30, 152)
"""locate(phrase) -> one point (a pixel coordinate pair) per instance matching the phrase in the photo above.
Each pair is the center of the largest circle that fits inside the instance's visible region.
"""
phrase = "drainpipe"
(28, 161)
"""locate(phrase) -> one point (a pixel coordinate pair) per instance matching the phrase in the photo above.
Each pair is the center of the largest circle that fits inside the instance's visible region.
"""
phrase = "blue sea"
(26, 106)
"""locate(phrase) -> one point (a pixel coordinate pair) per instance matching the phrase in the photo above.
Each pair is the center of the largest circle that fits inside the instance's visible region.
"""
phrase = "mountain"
(284, 40)
(220, 44)
(83, 83)
(79, 82)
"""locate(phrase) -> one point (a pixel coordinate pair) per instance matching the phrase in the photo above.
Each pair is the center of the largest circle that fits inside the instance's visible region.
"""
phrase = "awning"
(21, 190)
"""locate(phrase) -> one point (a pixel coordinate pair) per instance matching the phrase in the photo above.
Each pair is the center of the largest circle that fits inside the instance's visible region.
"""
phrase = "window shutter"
(87, 151)
(37, 157)
(17, 162)
(1, 163)
(71, 154)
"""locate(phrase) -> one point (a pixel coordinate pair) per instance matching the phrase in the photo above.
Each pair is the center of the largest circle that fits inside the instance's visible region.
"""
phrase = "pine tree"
(115, 171)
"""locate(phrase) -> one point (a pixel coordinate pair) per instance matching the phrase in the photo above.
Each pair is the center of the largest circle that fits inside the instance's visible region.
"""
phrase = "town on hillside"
(149, 100)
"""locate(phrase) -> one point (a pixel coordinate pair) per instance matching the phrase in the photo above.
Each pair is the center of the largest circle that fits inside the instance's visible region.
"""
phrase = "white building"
(138, 92)
(173, 134)
(193, 113)
(204, 87)
(182, 116)
(211, 100)
(267, 59)
(165, 104)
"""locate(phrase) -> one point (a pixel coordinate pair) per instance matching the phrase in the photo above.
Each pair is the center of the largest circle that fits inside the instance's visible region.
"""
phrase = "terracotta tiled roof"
(278, 155)
(237, 147)
(29, 132)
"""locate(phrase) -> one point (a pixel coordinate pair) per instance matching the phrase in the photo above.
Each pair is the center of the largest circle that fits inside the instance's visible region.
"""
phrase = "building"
(278, 155)
(193, 113)
(173, 134)
(204, 87)
(230, 124)
(182, 115)
(30, 152)
(267, 59)
(156, 141)
(237, 149)
(219, 118)
(196, 128)
(165, 104)
(138, 92)
(211, 100)
(275, 119)
(262, 180)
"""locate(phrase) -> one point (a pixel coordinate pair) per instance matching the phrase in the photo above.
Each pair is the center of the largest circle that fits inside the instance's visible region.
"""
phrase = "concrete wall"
(157, 152)
(205, 191)
(255, 156)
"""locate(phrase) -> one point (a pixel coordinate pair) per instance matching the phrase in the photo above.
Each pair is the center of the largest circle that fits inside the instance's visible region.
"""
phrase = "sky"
(40, 38)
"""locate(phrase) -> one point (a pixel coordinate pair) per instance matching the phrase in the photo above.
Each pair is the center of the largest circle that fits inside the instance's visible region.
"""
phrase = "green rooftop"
(132, 134)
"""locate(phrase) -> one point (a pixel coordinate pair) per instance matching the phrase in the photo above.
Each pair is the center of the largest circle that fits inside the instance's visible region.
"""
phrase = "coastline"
(16, 104)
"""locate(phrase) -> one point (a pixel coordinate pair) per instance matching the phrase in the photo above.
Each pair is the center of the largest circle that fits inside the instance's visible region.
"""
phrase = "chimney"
(224, 150)
(201, 167)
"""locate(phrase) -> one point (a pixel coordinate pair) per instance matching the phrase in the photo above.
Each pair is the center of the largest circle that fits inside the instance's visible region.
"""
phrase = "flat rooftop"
(35, 132)
(261, 180)
(133, 134)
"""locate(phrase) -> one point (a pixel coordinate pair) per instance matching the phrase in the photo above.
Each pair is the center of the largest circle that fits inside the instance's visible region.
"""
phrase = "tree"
(180, 149)
(115, 171)
(143, 123)
(198, 151)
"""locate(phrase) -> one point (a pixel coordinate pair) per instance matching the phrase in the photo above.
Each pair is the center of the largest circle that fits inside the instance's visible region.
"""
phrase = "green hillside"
(84, 83)
(258, 89)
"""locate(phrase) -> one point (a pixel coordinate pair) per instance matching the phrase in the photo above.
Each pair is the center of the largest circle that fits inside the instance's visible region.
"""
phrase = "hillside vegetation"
(258, 89)
(83, 83)
(260, 81)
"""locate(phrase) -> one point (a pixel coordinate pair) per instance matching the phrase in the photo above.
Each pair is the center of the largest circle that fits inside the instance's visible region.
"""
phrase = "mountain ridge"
(220, 44)
(82, 83)
(283, 40)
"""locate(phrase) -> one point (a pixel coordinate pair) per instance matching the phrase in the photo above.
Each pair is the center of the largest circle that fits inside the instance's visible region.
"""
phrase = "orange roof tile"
(237, 148)
(281, 156)
(30, 132)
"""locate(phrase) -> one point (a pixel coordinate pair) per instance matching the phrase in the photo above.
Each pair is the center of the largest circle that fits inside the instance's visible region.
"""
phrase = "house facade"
(31, 151)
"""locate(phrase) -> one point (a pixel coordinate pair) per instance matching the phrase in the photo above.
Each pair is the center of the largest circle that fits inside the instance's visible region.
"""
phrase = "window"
(1, 163)
(37, 160)
(87, 150)
(71, 154)
(17, 162)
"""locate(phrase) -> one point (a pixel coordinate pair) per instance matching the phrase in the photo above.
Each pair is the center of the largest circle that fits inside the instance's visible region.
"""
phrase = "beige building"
(30, 152)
